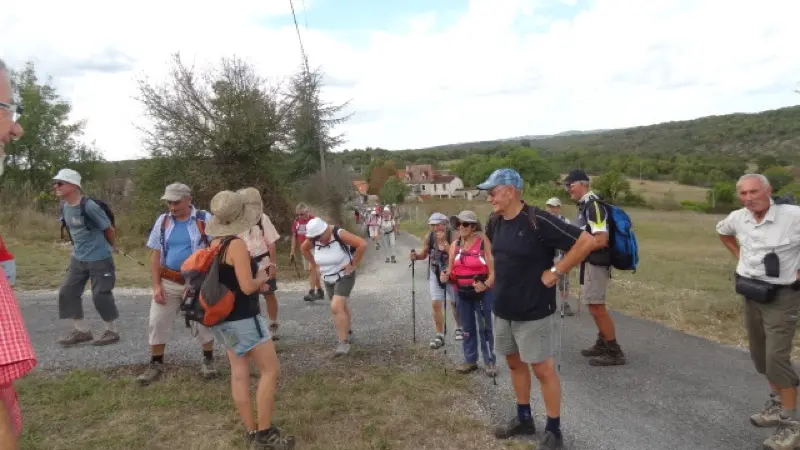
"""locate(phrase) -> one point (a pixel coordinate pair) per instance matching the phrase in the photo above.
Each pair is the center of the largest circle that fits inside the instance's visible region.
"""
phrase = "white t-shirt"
(387, 225)
(330, 258)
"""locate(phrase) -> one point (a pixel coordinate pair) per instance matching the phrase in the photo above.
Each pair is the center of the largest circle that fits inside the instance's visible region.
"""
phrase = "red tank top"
(468, 263)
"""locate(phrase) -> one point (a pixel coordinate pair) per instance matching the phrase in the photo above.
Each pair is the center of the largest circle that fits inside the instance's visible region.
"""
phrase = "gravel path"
(677, 391)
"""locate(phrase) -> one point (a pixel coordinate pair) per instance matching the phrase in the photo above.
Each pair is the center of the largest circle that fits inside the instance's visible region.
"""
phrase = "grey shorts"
(595, 284)
(342, 287)
(534, 340)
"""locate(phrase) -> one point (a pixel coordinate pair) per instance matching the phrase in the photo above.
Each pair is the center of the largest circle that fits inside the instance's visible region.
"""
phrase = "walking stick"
(294, 262)
(486, 338)
(413, 301)
(560, 336)
(445, 329)
(129, 257)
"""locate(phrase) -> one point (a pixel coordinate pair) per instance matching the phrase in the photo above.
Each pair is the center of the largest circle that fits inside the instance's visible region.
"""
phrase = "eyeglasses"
(14, 109)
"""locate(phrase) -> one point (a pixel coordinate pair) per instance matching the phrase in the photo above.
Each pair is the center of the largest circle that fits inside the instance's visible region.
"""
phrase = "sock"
(157, 359)
(111, 326)
(80, 325)
(524, 412)
(553, 425)
(208, 354)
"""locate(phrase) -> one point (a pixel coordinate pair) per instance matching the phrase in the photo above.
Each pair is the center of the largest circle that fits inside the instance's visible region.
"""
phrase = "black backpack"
(349, 249)
(88, 222)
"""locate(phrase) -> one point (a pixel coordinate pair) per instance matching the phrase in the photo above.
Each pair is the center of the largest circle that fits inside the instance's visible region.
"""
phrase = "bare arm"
(155, 267)
(487, 245)
(424, 253)
(579, 252)
(239, 256)
(360, 245)
(111, 235)
(305, 249)
(731, 244)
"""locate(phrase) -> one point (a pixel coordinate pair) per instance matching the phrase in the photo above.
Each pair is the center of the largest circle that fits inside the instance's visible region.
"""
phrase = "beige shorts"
(533, 340)
(162, 317)
(595, 284)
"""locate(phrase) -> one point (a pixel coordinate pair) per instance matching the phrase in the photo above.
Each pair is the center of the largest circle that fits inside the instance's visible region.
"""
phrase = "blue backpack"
(621, 238)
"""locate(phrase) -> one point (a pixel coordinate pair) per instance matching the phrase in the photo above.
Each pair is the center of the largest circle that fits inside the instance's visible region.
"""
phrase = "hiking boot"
(273, 331)
(248, 438)
(549, 441)
(597, 349)
(568, 310)
(272, 441)
(491, 371)
(514, 427)
(786, 437)
(393, 260)
(770, 415)
(311, 296)
(377, 246)
(437, 342)
(108, 337)
(466, 368)
(76, 337)
(207, 369)
(320, 294)
(612, 357)
(342, 348)
(459, 334)
(152, 373)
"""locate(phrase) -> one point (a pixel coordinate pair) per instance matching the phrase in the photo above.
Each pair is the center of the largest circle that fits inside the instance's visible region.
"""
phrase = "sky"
(419, 73)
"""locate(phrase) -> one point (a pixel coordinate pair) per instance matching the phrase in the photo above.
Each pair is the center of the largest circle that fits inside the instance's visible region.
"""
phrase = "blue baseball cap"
(502, 177)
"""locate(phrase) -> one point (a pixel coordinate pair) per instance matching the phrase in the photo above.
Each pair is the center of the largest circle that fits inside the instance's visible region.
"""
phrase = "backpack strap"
(86, 219)
(345, 247)
(201, 226)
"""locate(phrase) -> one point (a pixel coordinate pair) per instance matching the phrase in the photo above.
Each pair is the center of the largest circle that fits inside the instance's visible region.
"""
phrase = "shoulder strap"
(201, 226)
(164, 231)
(86, 219)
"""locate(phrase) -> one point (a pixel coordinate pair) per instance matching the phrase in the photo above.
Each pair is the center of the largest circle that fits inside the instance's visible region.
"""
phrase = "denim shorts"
(10, 267)
(241, 336)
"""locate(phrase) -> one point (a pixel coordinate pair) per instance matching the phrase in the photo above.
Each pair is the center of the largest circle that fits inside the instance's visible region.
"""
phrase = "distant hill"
(775, 131)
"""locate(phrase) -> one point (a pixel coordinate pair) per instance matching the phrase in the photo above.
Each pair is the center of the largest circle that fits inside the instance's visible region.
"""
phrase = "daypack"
(348, 249)
(87, 221)
(201, 226)
(205, 299)
(529, 210)
(786, 199)
(622, 244)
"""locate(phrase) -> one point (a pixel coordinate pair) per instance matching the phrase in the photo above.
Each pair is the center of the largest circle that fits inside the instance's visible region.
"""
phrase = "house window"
(423, 187)
(444, 188)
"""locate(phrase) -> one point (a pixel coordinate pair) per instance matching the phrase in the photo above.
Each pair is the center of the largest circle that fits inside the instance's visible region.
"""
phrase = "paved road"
(677, 392)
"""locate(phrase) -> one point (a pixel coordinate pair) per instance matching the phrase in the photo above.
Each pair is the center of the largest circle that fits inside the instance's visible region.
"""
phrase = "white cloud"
(500, 70)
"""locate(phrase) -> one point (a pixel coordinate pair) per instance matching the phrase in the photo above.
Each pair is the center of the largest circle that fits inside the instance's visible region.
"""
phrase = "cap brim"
(485, 186)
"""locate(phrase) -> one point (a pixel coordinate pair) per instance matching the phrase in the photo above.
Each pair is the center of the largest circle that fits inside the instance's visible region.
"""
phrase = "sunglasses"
(59, 183)
(465, 224)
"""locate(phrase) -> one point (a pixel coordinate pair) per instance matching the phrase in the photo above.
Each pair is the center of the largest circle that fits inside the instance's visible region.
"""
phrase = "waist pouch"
(756, 290)
(171, 275)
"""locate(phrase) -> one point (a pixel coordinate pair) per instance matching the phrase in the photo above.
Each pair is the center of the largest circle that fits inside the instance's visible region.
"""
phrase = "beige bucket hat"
(234, 212)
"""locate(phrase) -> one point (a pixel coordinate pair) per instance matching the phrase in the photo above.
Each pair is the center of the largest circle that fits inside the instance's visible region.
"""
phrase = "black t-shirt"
(244, 306)
(520, 257)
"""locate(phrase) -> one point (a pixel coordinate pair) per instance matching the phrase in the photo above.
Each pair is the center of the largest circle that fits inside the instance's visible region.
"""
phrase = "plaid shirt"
(17, 357)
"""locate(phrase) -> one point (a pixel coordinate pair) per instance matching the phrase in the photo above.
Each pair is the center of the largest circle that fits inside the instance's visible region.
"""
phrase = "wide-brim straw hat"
(466, 217)
(234, 212)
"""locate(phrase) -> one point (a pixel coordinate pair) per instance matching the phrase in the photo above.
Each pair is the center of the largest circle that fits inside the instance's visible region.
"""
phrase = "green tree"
(721, 194)
(51, 141)
(611, 186)
(778, 177)
(394, 190)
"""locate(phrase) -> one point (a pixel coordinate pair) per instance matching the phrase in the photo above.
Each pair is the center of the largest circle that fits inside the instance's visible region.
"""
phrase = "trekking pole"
(413, 301)
(129, 257)
(445, 329)
(486, 338)
(560, 336)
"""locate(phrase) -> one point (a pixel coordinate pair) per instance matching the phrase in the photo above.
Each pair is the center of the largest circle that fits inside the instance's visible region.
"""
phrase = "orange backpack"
(205, 299)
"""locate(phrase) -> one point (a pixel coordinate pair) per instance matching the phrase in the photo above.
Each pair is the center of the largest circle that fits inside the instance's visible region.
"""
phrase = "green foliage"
(533, 168)
(721, 194)
(394, 190)
(51, 141)
(612, 186)
(778, 177)
(792, 188)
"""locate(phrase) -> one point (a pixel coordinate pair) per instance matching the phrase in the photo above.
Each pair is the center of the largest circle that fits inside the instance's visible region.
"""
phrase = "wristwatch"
(555, 271)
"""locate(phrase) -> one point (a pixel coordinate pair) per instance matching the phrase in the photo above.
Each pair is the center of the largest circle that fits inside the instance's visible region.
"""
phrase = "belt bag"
(756, 290)
(172, 275)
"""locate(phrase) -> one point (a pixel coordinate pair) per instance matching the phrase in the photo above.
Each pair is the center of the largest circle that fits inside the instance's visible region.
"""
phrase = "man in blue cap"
(524, 243)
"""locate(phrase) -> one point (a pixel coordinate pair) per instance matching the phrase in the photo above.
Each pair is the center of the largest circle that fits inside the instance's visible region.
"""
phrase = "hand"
(291, 257)
(479, 286)
(271, 271)
(158, 295)
(263, 277)
(444, 276)
(349, 268)
(549, 278)
(412, 255)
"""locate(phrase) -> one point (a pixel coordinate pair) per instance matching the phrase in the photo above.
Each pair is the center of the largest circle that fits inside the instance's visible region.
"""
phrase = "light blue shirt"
(89, 240)
(196, 240)
(179, 244)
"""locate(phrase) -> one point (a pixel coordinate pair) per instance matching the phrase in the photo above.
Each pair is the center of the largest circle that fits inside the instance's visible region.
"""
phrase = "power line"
(299, 38)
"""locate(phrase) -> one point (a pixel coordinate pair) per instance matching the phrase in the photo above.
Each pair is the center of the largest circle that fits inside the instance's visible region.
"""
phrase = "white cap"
(387, 208)
(315, 227)
(68, 176)
(553, 202)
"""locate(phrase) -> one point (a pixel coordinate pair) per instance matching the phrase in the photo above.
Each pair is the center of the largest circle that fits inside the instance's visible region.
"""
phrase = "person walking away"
(388, 230)
(471, 271)
(260, 240)
(553, 206)
(338, 253)
(93, 240)
(436, 247)
(764, 237)
(175, 235)
(373, 226)
(595, 272)
(524, 240)
(8, 263)
(244, 331)
(17, 357)
(299, 224)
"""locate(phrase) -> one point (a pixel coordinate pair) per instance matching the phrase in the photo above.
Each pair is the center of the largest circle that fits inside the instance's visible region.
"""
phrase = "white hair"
(749, 176)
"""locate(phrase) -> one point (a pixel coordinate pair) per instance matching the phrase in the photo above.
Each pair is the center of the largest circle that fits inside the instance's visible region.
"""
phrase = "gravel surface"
(677, 391)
